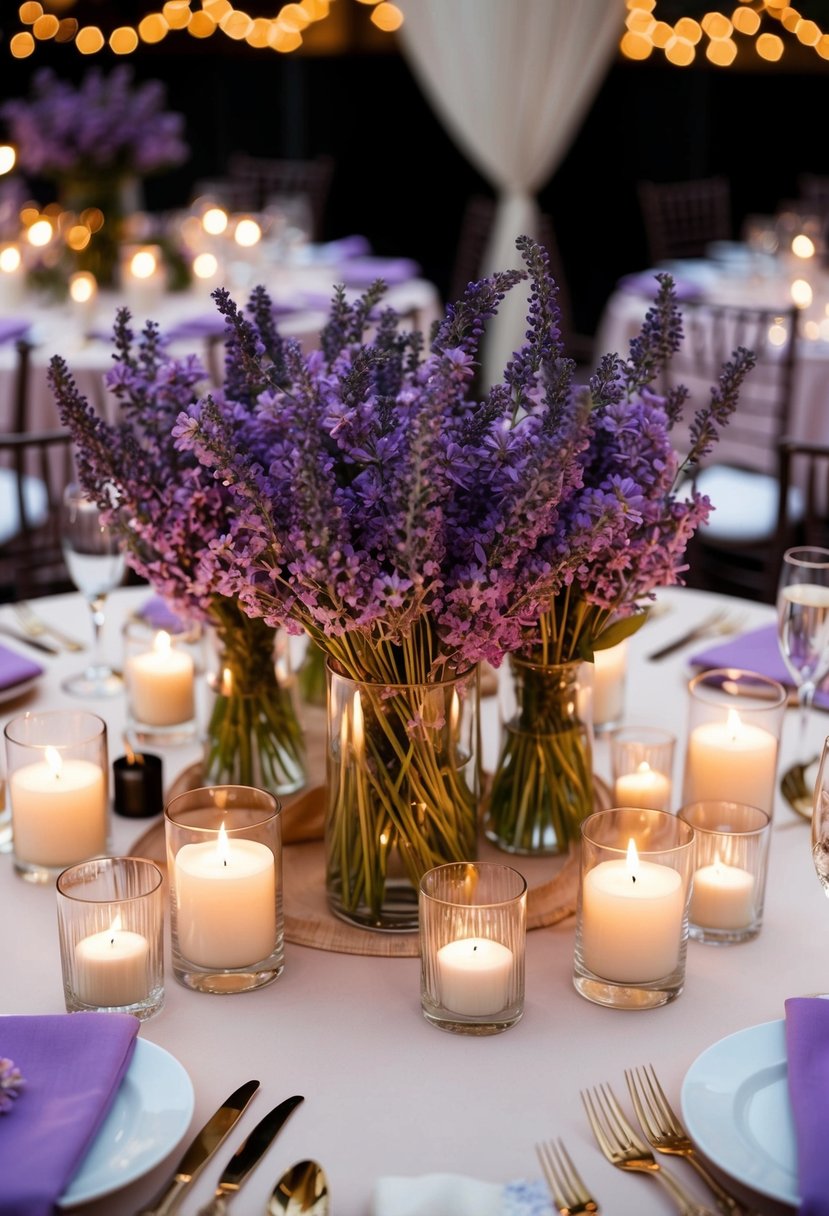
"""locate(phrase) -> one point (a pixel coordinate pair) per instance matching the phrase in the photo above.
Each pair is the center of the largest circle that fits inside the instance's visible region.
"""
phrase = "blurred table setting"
(386, 1097)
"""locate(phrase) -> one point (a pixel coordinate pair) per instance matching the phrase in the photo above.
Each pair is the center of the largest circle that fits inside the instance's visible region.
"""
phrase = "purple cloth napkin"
(16, 668)
(159, 615)
(758, 651)
(204, 326)
(72, 1064)
(345, 247)
(644, 284)
(807, 1053)
(361, 272)
(12, 328)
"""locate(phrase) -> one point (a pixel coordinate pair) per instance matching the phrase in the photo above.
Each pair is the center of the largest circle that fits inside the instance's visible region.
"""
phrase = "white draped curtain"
(511, 80)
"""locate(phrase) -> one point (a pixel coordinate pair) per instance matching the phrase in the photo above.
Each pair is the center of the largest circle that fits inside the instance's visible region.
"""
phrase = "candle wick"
(633, 877)
(474, 948)
(224, 861)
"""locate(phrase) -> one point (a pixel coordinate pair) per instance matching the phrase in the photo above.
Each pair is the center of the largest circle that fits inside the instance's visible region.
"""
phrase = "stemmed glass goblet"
(820, 819)
(95, 559)
(803, 621)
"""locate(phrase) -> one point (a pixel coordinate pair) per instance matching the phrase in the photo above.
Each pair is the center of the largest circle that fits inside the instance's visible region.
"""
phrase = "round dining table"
(387, 1093)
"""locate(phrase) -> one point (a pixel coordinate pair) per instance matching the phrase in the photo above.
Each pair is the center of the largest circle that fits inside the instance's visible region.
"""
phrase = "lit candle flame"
(227, 682)
(223, 845)
(162, 642)
(358, 722)
(143, 264)
(733, 724)
(52, 756)
(644, 769)
(632, 860)
(114, 928)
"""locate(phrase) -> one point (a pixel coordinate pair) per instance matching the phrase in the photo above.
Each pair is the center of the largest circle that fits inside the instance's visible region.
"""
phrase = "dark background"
(401, 181)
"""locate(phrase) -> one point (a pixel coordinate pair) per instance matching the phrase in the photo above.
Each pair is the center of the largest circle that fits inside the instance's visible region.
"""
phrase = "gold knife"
(202, 1149)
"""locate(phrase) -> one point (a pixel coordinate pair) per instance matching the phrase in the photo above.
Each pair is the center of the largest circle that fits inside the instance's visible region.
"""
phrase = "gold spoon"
(303, 1188)
(795, 789)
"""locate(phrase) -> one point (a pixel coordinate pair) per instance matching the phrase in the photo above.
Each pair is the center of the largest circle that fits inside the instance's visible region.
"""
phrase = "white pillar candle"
(144, 280)
(225, 894)
(112, 968)
(161, 684)
(722, 897)
(731, 761)
(609, 670)
(59, 810)
(474, 976)
(632, 913)
(643, 788)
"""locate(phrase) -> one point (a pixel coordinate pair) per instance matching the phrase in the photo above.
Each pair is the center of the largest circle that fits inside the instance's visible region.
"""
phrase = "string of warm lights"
(680, 43)
(198, 18)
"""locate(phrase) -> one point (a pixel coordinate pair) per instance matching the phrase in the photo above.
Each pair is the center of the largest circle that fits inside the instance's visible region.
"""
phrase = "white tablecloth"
(387, 1093)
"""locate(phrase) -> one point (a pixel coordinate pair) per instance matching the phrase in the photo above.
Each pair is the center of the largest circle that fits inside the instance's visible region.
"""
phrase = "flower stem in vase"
(403, 790)
(542, 788)
(253, 734)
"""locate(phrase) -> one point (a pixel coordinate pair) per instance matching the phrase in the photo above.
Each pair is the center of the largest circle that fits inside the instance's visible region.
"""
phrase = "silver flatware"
(301, 1191)
(35, 643)
(798, 792)
(718, 624)
(201, 1149)
(248, 1155)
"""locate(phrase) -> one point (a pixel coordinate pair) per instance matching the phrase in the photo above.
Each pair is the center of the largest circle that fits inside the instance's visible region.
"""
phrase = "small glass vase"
(253, 734)
(403, 792)
(542, 788)
(116, 196)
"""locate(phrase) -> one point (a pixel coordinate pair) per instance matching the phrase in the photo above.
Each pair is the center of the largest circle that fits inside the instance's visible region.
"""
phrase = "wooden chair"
(34, 468)
(262, 180)
(803, 467)
(682, 218)
(732, 553)
(475, 229)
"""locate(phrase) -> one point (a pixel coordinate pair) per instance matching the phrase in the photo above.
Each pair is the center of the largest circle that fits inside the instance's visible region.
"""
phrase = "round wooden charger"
(553, 881)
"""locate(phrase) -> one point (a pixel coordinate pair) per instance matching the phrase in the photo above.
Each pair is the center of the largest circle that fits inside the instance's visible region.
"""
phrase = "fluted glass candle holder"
(58, 785)
(731, 857)
(111, 929)
(473, 925)
(224, 863)
(632, 914)
(734, 722)
(642, 759)
(160, 677)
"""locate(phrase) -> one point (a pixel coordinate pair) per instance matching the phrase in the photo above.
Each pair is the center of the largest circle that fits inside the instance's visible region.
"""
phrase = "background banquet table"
(387, 1093)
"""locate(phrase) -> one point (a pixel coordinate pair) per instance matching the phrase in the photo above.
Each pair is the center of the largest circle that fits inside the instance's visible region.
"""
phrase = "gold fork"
(623, 1148)
(567, 1188)
(666, 1133)
(32, 625)
(718, 624)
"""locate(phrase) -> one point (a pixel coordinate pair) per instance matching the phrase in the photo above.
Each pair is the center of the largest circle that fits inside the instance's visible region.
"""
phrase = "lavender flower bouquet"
(169, 509)
(397, 522)
(621, 532)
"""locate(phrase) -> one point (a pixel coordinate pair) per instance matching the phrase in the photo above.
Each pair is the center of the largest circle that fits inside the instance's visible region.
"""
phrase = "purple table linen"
(16, 669)
(12, 328)
(159, 615)
(757, 651)
(807, 1051)
(362, 272)
(72, 1064)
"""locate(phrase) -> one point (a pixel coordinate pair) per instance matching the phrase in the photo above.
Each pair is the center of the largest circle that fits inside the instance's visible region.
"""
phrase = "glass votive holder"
(57, 770)
(224, 865)
(642, 763)
(609, 680)
(160, 680)
(632, 913)
(111, 930)
(473, 928)
(734, 722)
(731, 857)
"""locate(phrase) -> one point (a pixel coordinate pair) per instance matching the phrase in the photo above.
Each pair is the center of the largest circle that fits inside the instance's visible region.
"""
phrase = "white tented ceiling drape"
(511, 80)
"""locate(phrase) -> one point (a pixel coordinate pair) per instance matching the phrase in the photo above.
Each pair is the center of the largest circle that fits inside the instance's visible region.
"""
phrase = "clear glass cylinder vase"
(542, 787)
(403, 776)
(253, 735)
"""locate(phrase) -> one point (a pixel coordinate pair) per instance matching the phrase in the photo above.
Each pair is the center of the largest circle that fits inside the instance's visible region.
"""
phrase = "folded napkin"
(158, 614)
(458, 1195)
(72, 1065)
(807, 1052)
(644, 284)
(346, 247)
(361, 272)
(757, 650)
(203, 326)
(12, 328)
(16, 669)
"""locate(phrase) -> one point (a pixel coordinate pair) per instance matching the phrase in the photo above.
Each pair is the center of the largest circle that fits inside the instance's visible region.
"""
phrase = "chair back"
(803, 466)
(262, 181)
(712, 332)
(682, 218)
(34, 468)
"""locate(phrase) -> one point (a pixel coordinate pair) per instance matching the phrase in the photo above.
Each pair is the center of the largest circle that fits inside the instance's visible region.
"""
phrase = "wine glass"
(95, 559)
(803, 621)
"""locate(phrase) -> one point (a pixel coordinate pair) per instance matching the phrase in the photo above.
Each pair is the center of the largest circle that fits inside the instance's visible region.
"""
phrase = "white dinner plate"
(149, 1117)
(735, 1102)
